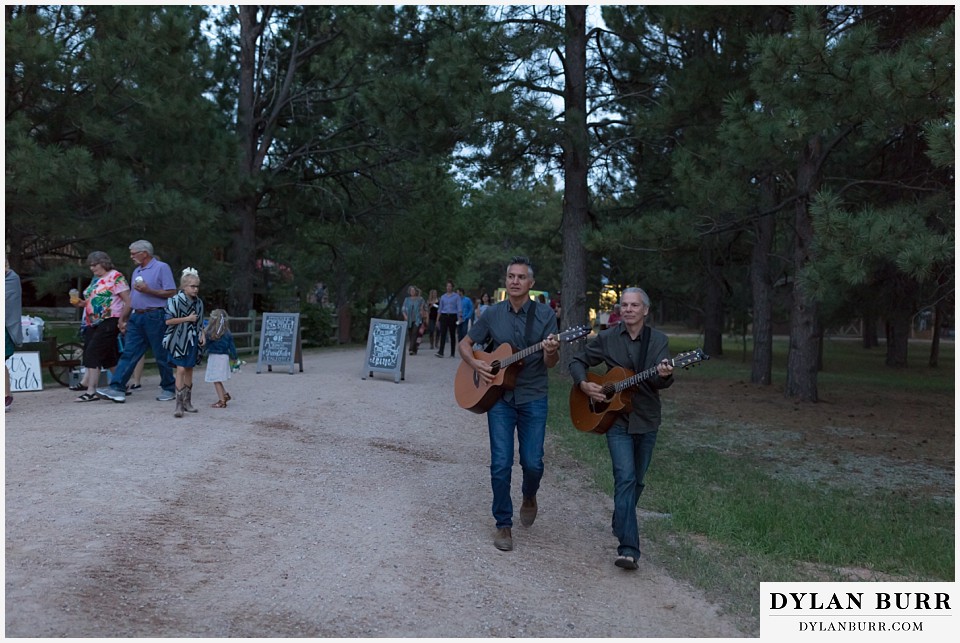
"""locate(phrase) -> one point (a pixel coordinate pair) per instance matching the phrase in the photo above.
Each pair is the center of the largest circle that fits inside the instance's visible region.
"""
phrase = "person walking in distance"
(466, 314)
(449, 317)
(632, 345)
(142, 323)
(520, 322)
(433, 314)
(412, 311)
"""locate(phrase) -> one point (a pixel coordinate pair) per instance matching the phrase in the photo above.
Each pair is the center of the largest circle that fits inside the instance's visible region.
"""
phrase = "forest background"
(753, 168)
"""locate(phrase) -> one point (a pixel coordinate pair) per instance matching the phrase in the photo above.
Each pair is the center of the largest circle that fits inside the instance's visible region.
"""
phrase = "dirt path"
(318, 504)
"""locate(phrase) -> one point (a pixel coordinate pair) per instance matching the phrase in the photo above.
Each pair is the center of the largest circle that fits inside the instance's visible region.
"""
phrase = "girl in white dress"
(220, 351)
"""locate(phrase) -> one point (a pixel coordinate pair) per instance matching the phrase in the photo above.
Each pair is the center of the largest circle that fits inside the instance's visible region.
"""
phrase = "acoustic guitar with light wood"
(474, 394)
(597, 417)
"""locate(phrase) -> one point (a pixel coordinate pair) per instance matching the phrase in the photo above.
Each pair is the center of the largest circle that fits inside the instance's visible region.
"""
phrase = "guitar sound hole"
(495, 368)
(598, 407)
(608, 391)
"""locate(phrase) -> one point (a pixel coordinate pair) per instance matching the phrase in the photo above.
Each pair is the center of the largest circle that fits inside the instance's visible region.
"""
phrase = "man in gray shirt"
(520, 322)
(631, 345)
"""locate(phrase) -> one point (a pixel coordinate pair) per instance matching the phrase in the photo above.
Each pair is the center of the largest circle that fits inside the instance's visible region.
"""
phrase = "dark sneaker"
(626, 562)
(528, 511)
(112, 394)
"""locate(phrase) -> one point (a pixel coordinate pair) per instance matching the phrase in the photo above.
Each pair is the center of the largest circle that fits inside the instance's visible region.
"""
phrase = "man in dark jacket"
(631, 345)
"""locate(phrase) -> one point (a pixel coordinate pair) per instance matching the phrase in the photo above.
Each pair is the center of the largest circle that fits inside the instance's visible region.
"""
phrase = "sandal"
(626, 562)
(87, 397)
(78, 387)
(219, 404)
(226, 398)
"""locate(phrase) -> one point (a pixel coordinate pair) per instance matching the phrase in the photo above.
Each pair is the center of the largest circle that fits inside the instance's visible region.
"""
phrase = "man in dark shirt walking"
(631, 345)
(520, 322)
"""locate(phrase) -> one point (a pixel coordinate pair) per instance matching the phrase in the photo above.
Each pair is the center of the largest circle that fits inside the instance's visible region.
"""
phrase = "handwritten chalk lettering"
(277, 339)
(386, 348)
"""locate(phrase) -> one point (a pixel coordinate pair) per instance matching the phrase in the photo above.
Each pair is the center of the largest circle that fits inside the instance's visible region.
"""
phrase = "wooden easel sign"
(280, 341)
(386, 349)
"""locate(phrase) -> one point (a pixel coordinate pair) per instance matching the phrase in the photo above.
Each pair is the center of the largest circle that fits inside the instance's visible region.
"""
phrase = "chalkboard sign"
(280, 341)
(25, 374)
(386, 348)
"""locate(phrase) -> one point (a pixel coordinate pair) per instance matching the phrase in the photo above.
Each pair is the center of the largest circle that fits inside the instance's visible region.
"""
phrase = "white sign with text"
(25, 374)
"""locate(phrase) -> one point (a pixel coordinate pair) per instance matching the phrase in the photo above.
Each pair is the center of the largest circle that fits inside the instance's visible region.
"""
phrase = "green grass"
(724, 522)
(845, 362)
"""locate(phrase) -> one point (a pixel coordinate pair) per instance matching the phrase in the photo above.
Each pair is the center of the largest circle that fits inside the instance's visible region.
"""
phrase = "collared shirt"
(466, 308)
(103, 297)
(450, 304)
(501, 325)
(615, 347)
(158, 276)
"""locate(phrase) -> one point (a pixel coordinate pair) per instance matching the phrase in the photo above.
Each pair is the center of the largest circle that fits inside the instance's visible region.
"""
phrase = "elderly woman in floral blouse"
(102, 302)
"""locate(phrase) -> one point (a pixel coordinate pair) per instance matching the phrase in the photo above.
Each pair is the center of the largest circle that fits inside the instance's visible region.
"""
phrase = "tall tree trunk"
(713, 302)
(935, 341)
(870, 330)
(803, 356)
(244, 246)
(900, 318)
(576, 149)
(898, 335)
(761, 283)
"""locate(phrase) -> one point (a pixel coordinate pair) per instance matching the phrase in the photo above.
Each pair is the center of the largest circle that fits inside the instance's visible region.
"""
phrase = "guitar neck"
(519, 355)
(622, 385)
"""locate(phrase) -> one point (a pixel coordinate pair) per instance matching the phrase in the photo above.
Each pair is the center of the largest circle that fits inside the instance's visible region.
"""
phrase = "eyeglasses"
(92, 265)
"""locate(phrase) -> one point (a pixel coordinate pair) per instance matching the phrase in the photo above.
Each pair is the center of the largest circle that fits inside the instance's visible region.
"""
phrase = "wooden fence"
(245, 331)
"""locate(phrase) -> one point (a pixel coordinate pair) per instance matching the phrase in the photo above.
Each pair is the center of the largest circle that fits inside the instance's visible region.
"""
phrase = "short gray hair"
(521, 261)
(142, 246)
(100, 257)
(643, 294)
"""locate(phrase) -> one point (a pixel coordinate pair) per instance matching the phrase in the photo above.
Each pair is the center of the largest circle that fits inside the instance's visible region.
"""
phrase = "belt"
(137, 311)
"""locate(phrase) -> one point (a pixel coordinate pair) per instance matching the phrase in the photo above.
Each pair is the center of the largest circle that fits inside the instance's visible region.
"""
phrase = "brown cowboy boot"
(178, 413)
(187, 405)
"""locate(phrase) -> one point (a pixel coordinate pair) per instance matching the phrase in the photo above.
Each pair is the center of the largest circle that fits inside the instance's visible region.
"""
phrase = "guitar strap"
(644, 343)
(531, 314)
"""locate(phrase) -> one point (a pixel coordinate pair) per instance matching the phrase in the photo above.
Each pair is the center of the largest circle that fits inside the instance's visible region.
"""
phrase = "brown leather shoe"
(504, 540)
(528, 511)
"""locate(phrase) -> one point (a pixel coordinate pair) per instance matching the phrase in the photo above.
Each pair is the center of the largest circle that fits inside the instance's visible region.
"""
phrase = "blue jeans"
(144, 330)
(530, 422)
(630, 455)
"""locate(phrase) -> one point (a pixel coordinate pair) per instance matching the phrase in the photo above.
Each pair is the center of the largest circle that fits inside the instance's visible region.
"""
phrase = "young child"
(184, 336)
(220, 352)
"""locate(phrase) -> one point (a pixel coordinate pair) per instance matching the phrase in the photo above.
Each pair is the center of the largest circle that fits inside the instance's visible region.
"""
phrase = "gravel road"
(317, 504)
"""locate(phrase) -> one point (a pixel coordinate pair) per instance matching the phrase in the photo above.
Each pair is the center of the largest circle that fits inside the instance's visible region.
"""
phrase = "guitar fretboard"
(636, 379)
(519, 355)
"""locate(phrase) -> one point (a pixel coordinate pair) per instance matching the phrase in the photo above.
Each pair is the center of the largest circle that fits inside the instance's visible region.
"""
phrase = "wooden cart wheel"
(68, 357)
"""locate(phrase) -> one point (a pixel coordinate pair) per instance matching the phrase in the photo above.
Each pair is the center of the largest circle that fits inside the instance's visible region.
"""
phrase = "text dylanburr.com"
(861, 611)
